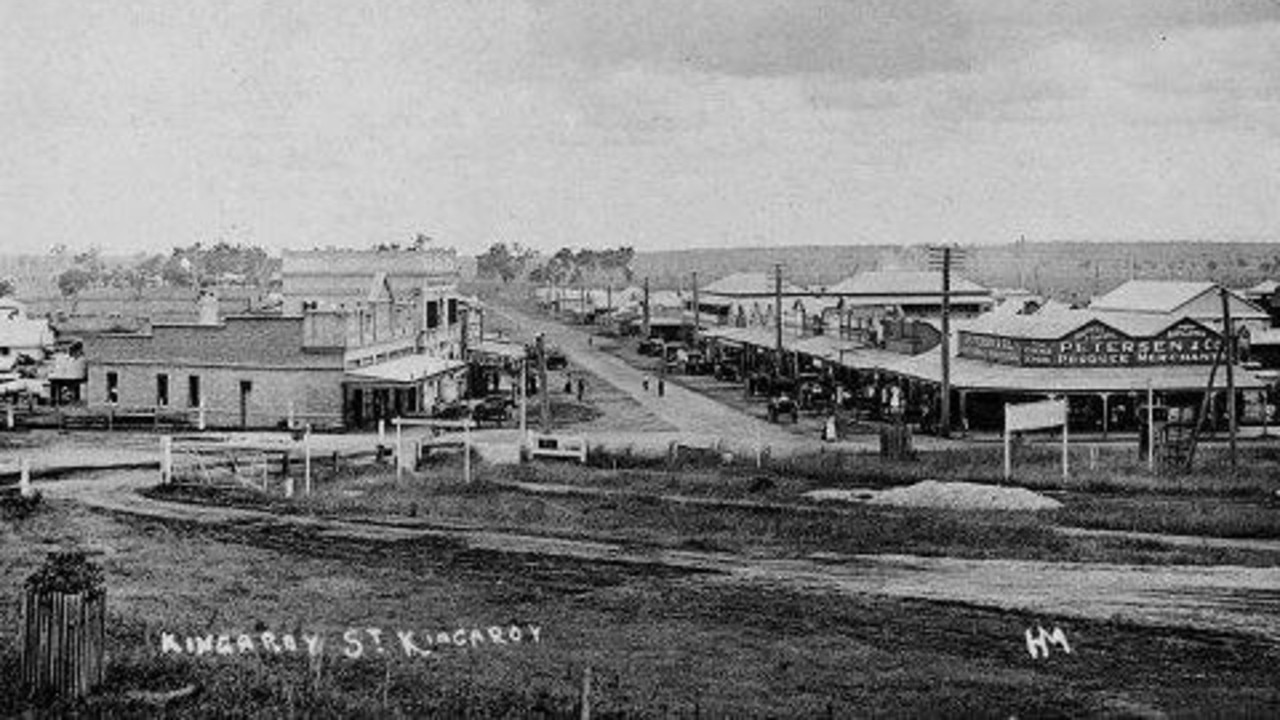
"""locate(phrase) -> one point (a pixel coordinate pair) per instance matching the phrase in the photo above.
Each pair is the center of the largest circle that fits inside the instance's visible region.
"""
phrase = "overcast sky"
(654, 123)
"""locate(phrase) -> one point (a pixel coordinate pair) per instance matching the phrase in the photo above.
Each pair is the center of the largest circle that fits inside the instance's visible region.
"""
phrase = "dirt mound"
(964, 496)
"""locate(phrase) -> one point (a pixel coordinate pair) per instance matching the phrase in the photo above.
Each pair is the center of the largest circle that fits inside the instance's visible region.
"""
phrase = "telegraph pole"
(1229, 337)
(646, 307)
(544, 392)
(696, 312)
(945, 430)
(777, 320)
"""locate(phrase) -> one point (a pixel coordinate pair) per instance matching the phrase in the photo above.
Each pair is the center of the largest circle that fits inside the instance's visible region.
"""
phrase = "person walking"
(582, 386)
(662, 387)
(644, 382)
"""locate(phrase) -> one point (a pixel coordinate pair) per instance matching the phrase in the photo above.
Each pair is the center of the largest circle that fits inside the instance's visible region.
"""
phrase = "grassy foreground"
(659, 643)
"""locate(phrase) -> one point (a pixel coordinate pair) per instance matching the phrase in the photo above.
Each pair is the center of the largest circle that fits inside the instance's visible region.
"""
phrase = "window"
(433, 314)
(113, 387)
(162, 389)
(453, 311)
(193, 391)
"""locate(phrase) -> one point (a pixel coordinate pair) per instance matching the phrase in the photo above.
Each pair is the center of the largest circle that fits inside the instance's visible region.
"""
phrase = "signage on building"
(1098, 345)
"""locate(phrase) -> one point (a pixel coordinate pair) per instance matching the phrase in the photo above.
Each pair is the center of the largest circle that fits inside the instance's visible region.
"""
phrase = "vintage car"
(494, 409)
(780, 405)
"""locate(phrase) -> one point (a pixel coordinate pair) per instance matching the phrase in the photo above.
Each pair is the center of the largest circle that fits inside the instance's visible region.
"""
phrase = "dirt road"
(1235, 599)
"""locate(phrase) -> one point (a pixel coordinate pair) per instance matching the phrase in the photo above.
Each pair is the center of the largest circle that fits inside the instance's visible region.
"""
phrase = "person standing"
(662, 387)
(644, 383)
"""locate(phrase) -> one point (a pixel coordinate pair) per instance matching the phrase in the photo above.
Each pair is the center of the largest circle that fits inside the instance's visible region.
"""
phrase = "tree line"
(566, 267)
(194, 266)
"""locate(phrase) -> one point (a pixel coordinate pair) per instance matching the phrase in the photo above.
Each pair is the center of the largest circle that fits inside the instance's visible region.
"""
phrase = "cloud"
(855, 38)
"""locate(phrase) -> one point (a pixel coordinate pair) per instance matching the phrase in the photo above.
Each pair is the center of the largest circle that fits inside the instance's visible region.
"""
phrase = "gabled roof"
(903, 282)
(1158, 296)
(1054, 325)
(748, 284)
(1264, 288)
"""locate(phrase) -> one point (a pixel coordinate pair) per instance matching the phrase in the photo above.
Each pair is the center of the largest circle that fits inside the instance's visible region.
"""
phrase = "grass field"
(659, 643)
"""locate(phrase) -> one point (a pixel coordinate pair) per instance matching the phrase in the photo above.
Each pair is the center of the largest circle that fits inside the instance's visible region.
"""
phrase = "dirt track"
(1233, 599)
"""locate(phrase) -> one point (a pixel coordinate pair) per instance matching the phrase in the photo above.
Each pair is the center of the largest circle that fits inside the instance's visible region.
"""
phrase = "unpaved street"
(1234, 599)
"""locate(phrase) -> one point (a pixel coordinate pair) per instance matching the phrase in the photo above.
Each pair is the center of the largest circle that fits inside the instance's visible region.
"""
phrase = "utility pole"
(544, 392)
(1229, 336)
(646, 307)
(777, 320)
(944, 415)
(696, 312)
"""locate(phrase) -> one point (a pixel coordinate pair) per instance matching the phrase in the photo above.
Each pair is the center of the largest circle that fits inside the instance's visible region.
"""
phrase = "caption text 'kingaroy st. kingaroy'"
(352, 643)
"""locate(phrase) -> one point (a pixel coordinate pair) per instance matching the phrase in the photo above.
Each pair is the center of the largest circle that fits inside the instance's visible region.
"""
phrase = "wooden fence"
(63, 637)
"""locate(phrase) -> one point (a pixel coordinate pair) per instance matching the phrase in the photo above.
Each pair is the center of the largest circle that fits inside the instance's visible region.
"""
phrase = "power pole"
(777, 320)
(940, 258)
(696, 311)
(945, 414)
(544, 392)
(646, 307)
(1229, 336)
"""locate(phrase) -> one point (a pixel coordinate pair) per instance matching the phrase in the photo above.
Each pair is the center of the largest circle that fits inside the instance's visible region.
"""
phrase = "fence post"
(24, 477)
(585, 705)
(306, 464)
(166, 459)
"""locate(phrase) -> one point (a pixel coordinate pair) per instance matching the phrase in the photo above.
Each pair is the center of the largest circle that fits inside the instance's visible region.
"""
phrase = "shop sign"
(1098, 345)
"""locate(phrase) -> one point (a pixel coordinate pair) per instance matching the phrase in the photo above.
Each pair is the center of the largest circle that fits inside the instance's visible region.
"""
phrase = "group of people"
(662, 385)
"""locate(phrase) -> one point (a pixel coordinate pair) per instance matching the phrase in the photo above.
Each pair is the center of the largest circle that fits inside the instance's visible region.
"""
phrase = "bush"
(67, 572)
(18, 507)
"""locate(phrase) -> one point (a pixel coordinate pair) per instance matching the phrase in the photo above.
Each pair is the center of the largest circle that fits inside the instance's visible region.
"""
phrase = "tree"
(501, 261)
(73, 281)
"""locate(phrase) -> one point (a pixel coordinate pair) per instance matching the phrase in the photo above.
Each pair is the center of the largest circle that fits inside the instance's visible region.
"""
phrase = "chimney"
(208, 308)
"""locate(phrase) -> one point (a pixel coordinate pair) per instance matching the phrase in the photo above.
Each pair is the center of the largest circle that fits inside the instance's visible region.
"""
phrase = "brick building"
(335, 356)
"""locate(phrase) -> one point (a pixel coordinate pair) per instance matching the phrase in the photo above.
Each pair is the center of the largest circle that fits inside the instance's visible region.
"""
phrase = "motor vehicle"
(556, 359)
(780, 405)
(495, 409)
(456, 410)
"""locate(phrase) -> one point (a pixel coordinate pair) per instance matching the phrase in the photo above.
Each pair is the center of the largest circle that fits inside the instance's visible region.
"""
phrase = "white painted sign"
(1035, 416)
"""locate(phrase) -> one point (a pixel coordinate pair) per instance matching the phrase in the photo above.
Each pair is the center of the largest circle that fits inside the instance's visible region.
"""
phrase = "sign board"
(1035, 416)
(1097, 344)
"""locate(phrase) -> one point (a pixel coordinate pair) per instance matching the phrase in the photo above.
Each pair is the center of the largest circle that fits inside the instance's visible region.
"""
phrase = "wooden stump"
(63, 637)
(895, 441)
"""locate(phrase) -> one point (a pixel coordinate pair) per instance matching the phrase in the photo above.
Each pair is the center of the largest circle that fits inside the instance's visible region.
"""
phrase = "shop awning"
(969, 374)
(406, 369)
(505, 350)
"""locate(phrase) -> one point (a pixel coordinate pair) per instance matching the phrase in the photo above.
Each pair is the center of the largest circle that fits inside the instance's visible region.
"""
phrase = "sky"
(659, 124)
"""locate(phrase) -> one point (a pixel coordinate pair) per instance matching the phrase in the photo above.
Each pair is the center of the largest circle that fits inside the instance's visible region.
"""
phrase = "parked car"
(456, 410)
(494, 409)
(780, 405)
(556, 359)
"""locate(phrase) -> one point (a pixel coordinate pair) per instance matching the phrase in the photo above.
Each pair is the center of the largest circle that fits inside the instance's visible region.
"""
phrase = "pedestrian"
(662, 387)
(644, 382)
(582, 386)
(568, 386)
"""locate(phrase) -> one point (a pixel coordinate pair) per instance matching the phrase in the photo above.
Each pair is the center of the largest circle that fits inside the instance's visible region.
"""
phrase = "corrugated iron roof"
(1159, 296)
(1059, 323)
(748, 284)
(904, 282)
(406, 369)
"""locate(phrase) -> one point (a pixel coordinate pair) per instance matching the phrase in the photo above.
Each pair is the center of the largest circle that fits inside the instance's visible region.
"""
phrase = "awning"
(407, 369)
(506, 350)
(969, 374)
